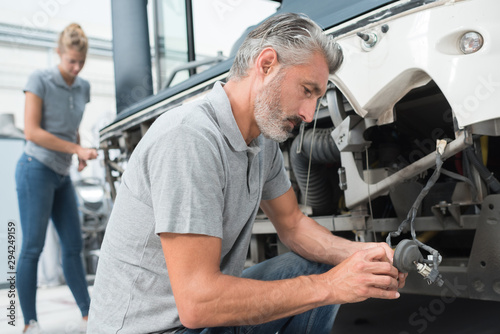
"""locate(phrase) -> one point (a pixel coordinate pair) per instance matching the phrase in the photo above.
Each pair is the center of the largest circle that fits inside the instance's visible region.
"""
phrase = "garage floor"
(57, 311)
(411, 314)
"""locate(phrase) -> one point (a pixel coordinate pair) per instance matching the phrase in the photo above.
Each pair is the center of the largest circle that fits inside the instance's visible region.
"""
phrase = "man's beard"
(272, 121)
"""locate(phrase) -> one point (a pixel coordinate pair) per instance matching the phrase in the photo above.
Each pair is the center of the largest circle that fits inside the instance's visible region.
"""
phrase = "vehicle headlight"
(470, 42)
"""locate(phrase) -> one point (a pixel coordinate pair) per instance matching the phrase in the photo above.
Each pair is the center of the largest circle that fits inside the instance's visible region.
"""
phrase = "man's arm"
(307, 238)
(303, 235)
(207, 298)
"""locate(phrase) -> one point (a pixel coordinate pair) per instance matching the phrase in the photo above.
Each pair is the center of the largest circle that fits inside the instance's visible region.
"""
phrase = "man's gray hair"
(294, 37)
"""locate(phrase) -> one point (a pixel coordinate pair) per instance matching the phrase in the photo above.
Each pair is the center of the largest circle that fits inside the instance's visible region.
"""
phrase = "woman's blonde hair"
(73, 37)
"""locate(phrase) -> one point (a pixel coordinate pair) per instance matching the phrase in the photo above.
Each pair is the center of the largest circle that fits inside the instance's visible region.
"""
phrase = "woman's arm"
(33, 131)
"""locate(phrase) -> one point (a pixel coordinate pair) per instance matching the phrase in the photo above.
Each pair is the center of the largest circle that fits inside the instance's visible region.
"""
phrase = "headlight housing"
(470, 42)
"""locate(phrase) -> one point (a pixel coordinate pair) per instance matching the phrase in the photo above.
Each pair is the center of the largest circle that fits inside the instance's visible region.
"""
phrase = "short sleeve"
(35, 85)
(277, 182)
(187, 183)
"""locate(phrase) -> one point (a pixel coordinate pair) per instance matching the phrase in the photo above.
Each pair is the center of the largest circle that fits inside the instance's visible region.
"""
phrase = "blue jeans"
(317, 321)
(44, 194)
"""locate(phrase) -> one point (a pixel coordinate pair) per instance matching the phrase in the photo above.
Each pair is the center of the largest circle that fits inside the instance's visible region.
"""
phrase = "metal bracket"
(358, 191)
(483, 270)
(462, 196)
(348, 136)
(439, 211)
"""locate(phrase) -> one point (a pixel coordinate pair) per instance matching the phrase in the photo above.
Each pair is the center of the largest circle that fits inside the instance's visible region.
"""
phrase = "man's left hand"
(390, 254)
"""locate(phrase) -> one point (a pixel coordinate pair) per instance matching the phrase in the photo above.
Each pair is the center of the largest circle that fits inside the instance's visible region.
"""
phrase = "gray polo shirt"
(62, 111)
(191, 173)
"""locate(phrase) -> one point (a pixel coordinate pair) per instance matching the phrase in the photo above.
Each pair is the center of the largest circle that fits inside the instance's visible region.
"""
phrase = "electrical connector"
(430, 274)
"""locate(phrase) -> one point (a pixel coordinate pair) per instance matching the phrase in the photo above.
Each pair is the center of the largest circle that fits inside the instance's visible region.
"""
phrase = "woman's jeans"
(316, 321)
(44, 194)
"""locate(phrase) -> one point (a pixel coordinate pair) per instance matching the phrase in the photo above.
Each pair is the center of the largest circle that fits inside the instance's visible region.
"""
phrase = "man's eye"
(307, 91)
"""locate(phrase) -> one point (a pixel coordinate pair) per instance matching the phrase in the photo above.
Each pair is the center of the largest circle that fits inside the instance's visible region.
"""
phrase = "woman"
(54, 103)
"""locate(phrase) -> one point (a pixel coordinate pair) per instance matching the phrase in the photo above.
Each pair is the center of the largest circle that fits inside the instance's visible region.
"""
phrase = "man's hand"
(390, 254)
(368, 273)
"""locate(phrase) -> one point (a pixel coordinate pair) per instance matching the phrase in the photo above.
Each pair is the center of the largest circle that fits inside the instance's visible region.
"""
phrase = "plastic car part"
(406, 255)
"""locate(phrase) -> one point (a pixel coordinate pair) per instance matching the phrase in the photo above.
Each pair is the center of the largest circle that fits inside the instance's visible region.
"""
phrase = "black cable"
(484, 172)
(463, 179)
(412, 213)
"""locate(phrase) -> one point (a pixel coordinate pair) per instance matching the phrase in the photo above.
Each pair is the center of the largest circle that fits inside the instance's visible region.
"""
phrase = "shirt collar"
(59, 80)
(229, 128)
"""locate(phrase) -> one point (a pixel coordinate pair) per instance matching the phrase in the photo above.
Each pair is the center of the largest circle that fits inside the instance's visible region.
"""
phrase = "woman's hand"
(81, 164)
(85, 154)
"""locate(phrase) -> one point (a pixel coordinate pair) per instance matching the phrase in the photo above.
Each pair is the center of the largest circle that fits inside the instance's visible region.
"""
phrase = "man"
(177, 239)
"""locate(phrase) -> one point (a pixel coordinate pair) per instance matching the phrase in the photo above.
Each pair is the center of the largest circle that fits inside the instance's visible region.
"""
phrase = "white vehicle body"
(422, 45)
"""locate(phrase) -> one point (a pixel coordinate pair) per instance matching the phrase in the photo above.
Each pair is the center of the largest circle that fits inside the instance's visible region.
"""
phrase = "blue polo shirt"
(62, 111)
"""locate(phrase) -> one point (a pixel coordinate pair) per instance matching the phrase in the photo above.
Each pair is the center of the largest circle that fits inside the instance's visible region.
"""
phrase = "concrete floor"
(57, 311)
(411, 314)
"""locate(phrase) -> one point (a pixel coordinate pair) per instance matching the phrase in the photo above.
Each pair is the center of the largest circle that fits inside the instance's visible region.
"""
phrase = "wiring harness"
(407, 254)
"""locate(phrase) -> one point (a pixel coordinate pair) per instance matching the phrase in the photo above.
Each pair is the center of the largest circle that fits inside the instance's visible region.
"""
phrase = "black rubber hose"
(324, 151)
(484, 172)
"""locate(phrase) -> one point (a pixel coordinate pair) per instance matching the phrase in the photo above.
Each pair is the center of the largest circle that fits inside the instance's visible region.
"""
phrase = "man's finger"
(375, 292)
(388, 250)
(382, 268)
(385, 282)
(402, 280)
(377, 254)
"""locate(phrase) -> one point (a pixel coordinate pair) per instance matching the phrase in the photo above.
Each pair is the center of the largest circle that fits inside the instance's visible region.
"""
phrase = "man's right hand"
(365, 274)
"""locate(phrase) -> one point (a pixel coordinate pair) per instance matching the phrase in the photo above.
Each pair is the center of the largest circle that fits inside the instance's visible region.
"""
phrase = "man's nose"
(307, 109)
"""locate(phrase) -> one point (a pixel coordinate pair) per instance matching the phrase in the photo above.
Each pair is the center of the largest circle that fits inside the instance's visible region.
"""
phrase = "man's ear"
(267, 62)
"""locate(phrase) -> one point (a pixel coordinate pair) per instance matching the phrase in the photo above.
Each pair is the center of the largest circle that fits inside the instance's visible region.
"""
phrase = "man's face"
(290, 98)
